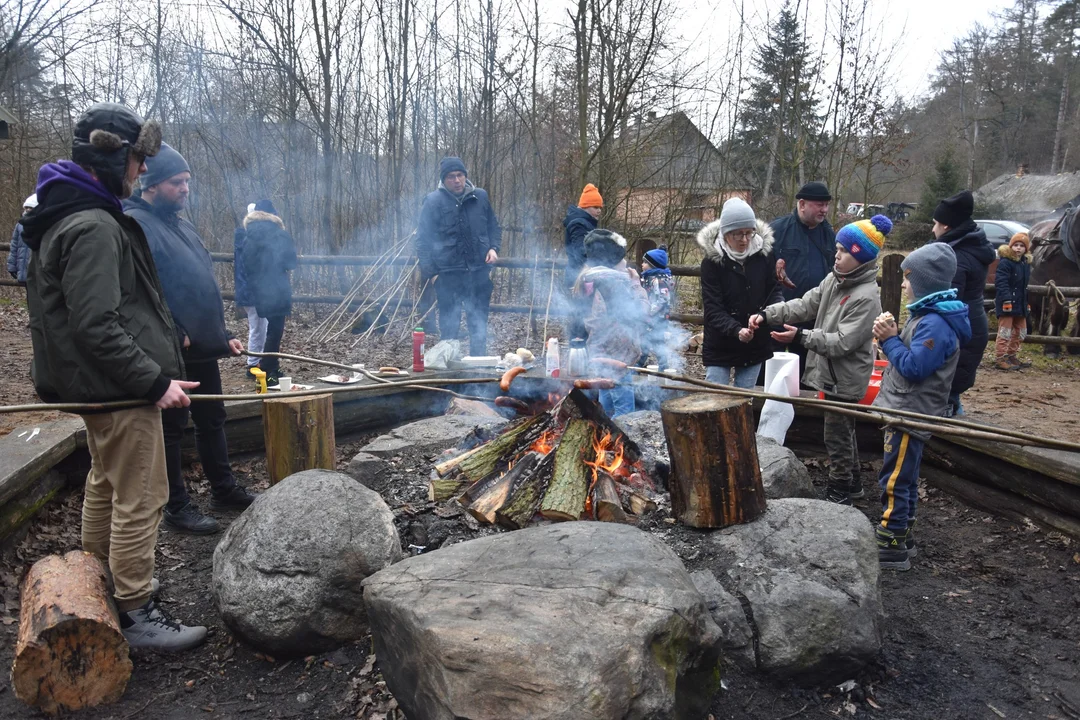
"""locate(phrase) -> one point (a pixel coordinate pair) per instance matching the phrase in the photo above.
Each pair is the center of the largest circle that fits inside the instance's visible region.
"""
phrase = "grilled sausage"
(781, 274)
(508, 377)
(504, 401)
(595, 384)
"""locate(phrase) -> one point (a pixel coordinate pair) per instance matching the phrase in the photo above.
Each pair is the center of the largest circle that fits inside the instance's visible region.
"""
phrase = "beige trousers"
(125, 491)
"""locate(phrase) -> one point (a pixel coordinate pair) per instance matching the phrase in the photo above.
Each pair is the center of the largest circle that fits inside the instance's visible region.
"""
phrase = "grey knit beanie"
(737, 215)
(930, 269)
(164, 165)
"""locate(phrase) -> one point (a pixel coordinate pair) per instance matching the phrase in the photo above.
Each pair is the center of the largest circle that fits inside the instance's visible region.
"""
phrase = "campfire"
(570, 462)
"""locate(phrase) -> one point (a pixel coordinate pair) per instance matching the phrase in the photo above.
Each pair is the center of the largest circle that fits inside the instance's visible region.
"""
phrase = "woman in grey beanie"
(738, 279)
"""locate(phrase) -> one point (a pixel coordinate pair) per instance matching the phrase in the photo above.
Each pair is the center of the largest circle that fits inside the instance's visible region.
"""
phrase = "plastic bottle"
(418, 350)
(551, 357)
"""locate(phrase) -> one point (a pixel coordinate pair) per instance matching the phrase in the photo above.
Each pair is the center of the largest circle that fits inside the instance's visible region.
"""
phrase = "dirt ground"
(985, 625)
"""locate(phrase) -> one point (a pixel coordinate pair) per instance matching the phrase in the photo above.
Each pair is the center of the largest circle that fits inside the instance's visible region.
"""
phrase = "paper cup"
(285, 384)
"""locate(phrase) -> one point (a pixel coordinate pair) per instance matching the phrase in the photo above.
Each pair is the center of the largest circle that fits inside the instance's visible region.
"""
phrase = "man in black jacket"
(194, 299)
(974, 253)
(457, 240)
(101, 332)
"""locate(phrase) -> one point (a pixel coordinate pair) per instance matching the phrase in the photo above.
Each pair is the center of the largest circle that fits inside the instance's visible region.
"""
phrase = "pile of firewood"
(569, 463)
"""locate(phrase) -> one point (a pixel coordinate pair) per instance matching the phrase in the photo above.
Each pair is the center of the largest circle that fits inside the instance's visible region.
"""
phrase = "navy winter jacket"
(244, 298)
(187, 276)
(578, 224)
(974, 253)
(455, 233)
(809, 254)
(1011, 283)
(18, 255)
(269, 255)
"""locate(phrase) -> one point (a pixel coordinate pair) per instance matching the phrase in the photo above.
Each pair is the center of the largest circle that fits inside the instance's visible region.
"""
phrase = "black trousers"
(209, 418)
(275, 328)
(470, 289)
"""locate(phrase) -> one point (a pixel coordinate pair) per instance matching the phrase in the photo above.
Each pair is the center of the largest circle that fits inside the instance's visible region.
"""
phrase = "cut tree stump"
(70, 653)
(299, 435)
(565, 498)
(715, 478)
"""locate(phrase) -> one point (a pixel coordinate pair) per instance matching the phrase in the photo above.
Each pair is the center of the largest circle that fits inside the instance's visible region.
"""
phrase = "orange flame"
(546, 442)
(603, 445)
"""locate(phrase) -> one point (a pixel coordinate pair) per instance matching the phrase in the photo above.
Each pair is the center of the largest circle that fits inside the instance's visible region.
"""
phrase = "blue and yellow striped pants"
(899, 480)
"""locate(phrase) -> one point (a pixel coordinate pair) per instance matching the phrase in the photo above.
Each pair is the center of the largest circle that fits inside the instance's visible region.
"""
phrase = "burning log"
(606, 504)
(634, 500)
(70, 653)
(483, 462)
(525, 500)
(715, 478)
(299, 435)
(565, 498)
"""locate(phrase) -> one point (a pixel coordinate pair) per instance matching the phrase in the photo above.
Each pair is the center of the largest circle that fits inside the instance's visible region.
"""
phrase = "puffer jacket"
(619, 314)
(924, 357)
(577, 224)
(455, 233)
(808, 253)
(974, 253)
(100, 327)
(18, 255)
(843, 308)
(242, 295)
(269, 255)
(730, 293)
(1011, 282)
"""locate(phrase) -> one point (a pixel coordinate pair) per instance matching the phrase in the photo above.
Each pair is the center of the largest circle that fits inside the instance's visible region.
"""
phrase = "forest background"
(340, 110)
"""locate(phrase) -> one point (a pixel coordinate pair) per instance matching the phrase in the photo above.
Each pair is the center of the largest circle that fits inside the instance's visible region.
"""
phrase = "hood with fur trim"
(709, 238)
(1005, 251)
(260, 216)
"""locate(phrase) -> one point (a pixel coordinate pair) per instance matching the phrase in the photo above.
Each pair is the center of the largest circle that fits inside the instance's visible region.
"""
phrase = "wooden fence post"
(891, 279)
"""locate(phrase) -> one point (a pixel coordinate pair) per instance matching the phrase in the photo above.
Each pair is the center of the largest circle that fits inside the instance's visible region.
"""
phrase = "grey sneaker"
(189, 520)
(149, 628)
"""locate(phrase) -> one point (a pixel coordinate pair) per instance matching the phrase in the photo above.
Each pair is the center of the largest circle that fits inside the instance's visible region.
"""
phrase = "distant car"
(999, 232)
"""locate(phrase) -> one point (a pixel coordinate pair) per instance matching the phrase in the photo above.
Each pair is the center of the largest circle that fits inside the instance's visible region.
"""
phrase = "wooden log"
(492, 499)
(70, 653)
(442, 489)
(525, 500)
(606, 504)
(299, 435)
(635, 501)
(892, 277)
(565, 498)
(715, 478)
(488, 458)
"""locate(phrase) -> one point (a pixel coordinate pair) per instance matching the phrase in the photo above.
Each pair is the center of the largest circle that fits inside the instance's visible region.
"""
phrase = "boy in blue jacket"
(922, 362)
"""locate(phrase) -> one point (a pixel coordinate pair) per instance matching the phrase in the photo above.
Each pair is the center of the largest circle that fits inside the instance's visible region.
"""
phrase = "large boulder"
(782, 474)
(287, 572)
(806, 574)
(573, 621)
(430, 435)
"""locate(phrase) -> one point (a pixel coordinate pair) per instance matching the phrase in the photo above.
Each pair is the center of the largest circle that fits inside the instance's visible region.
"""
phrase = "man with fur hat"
(922, 361)
(18, 253)
(194, 299)
(457, 239)
(102, 332)
(805, 241)
(618, 315)
(974, 253)
(580, 220)
(1011, 300)
(841, 348)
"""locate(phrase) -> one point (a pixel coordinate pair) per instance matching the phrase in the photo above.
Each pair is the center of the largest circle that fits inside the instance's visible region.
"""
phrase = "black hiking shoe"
(892, 554)
(909, 539)
(237, 498)
(835, 495)
(189, 520)
(149, 628)
(856, 492)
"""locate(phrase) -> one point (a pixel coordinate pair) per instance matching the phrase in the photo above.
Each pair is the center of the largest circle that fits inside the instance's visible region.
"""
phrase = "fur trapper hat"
(104, 135)
(604, 247)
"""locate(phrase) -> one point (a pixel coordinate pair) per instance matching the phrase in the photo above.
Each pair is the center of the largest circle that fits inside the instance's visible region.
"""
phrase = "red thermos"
(418, 350)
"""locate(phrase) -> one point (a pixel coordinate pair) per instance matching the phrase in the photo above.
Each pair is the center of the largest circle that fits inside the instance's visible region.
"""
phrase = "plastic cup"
(285, 383)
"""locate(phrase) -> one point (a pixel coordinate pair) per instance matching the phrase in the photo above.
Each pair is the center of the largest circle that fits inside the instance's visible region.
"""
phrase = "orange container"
(873, 386)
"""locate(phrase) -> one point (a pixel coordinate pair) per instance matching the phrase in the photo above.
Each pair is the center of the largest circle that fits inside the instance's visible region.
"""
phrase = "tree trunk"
(565, 498)
(299, 435)
(70, 653)
(715, 477)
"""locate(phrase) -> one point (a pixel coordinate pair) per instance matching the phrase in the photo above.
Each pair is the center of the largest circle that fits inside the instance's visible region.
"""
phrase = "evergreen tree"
(946, 180)
(780, 120)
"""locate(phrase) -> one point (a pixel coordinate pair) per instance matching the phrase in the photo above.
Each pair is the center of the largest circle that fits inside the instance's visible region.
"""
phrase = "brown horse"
(1051, 314)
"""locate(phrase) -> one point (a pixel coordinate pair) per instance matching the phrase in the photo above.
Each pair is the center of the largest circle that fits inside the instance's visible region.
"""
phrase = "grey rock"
(287, 572)
(368, 470)
(576, 621)
(646, 428)
(808, 572)
(782, 474)
(736, 637)
(430, 435)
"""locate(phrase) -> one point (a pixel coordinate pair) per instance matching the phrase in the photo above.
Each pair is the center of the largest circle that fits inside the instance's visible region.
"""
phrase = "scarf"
(756, 244)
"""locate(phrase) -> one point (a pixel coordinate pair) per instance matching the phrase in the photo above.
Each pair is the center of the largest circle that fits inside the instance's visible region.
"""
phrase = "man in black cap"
(974, 253)
(806, 242)
(457, 239)
(102, 332)
(194, 299)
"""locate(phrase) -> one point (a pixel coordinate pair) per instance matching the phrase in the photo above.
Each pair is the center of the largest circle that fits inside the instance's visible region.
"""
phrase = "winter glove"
(1006, 307)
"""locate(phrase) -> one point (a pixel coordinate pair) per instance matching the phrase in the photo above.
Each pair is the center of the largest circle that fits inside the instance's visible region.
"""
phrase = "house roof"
(1030, 197)
(6, 116)
(670, 152)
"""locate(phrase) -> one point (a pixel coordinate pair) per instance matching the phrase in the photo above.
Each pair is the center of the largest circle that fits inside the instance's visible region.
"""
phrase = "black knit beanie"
(265, 205)
(956, 210)
(449, 165)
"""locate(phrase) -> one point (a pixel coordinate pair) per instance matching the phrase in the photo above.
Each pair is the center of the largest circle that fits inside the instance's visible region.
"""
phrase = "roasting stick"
(886, 416)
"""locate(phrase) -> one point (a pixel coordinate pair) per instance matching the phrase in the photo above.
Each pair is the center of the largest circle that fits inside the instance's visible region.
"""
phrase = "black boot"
(236, 498)
(892, 554)
(909, 539)
(188, 519)
(837, 495)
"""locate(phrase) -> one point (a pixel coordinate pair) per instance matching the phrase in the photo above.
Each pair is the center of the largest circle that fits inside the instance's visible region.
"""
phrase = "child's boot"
(1020, 364)
(892, 553)
(1005, 362)
(909, 539)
